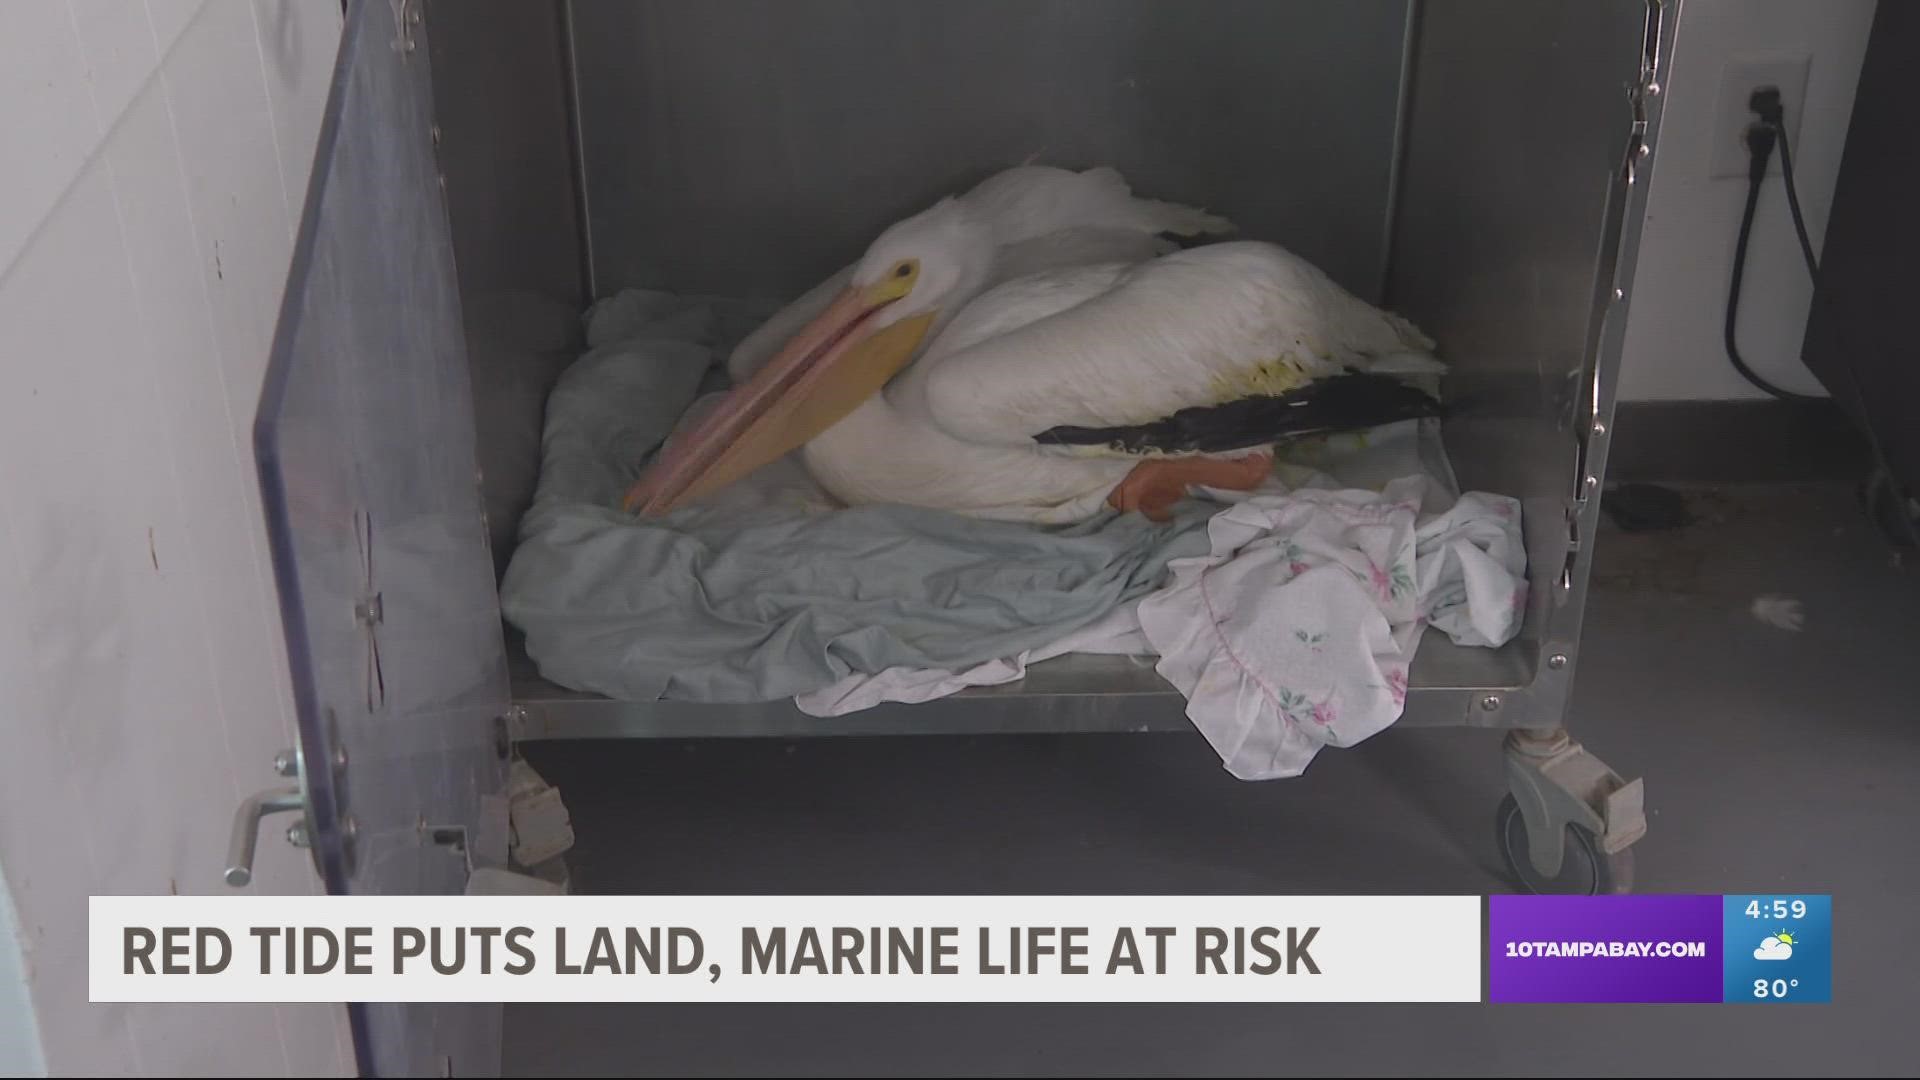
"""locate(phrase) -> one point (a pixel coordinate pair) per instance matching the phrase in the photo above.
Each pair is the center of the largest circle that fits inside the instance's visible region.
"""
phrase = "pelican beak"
(832, 365)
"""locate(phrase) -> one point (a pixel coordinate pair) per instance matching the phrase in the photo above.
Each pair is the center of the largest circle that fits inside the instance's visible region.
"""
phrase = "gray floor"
(1773, 760)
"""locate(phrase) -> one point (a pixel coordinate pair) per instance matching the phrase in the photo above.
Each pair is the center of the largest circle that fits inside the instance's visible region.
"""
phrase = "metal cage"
(488, 167)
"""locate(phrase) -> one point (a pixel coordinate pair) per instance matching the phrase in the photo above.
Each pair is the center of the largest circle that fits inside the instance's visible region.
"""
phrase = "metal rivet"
(1619, 294)
(1599, 428)
(1593, 482)
(297, 835)
(286, 764)
(349, 828)
(1557, 661)
(339, 758)
(1490, 703)
(1653, 89)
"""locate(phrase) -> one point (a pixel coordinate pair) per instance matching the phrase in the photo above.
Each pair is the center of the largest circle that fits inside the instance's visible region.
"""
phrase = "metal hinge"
(1609, 304)
(1564, 583)
(1645, 88)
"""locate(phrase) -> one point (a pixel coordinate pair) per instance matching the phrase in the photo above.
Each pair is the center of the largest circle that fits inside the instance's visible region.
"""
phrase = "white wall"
(1674, 330)
(19, 1036)
(156, 157)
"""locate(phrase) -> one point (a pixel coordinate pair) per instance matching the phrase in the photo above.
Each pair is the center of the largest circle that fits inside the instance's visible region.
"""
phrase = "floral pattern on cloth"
(1297, 630)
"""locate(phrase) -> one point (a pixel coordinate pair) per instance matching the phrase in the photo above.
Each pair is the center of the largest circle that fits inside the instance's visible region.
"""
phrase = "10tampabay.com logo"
(1733, 948)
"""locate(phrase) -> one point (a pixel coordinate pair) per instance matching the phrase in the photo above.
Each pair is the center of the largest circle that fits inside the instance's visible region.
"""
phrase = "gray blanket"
(768, 590)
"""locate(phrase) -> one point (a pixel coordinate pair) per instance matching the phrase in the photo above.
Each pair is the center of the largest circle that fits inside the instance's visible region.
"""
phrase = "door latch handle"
(246, 829)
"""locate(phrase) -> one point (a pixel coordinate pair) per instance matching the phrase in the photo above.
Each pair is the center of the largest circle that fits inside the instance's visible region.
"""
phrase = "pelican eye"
(902, 270)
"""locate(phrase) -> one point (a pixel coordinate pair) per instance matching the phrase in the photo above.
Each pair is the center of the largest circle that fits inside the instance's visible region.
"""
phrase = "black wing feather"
(1350, 401)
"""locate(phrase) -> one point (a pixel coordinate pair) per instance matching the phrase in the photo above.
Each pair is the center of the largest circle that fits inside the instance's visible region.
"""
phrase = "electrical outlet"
(1744, 74)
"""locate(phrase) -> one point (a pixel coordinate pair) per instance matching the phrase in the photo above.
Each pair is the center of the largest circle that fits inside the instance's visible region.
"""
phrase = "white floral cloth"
(1298, 629)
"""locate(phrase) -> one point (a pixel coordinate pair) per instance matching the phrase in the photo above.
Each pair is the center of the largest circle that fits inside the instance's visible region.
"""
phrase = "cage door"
(365, 445)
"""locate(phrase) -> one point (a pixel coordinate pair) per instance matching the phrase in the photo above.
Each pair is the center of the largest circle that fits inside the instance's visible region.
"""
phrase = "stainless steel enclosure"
(1473, 163)
(1467, 162)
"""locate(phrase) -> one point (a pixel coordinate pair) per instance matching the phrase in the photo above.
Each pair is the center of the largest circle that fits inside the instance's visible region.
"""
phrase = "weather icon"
(1775, 947)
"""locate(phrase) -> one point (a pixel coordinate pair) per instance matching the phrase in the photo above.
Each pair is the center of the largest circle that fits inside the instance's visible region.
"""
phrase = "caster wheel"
(1584, 871)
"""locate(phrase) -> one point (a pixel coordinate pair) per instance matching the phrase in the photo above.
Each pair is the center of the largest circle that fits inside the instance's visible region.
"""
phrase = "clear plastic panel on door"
(365, 441)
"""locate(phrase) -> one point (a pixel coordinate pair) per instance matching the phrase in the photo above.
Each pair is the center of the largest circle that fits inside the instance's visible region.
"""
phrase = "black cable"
(1793, 200)
(1760, 142)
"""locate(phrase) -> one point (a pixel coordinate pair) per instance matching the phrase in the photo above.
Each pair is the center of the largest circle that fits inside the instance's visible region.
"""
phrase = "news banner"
(1765, 949)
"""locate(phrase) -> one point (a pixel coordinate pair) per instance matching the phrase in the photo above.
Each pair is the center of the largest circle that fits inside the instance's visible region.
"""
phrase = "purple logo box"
(1604, 948)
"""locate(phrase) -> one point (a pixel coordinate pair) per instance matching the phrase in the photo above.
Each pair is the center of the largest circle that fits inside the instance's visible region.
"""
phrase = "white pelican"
(1057, 358)
(1037, 218)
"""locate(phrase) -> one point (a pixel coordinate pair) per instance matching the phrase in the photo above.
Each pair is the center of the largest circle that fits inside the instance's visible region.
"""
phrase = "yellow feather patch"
(1266, 378)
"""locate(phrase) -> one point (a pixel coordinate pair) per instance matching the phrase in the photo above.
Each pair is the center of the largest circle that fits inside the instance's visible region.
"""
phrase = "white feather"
(1057, 303)
(1136, 344)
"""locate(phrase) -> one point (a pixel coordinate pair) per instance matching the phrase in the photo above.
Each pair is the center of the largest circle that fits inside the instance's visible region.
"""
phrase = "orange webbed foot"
(1155, 487)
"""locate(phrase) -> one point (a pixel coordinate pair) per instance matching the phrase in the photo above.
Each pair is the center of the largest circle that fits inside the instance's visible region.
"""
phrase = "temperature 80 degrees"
(1773, 988)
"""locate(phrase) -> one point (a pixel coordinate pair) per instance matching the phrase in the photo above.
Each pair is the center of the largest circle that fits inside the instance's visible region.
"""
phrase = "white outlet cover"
(1743, 73)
